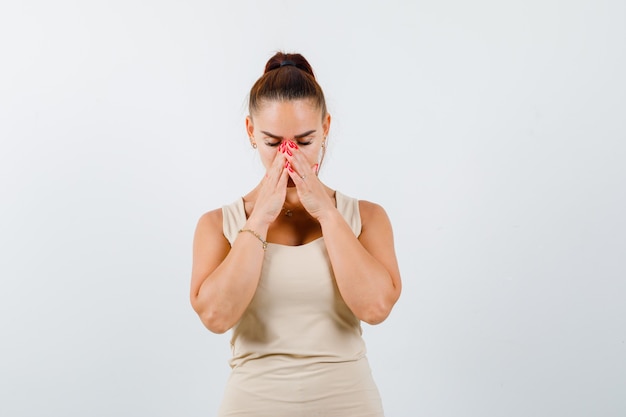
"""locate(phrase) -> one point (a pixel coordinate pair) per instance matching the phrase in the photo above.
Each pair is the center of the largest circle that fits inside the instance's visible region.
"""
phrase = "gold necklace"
(289, 212)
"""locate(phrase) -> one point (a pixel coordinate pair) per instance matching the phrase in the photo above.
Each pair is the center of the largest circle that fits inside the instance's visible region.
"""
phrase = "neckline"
(282, 245)
(242, 208)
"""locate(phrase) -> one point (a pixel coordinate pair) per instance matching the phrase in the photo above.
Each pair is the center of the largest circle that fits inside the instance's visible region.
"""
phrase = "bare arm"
(366, 269)
(224, 279)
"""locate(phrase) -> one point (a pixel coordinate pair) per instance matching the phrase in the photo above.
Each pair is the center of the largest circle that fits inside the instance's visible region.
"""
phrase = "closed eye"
(300, 143)
(303, 139)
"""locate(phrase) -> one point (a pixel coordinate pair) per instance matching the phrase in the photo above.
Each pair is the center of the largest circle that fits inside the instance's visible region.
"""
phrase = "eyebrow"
(300, 136)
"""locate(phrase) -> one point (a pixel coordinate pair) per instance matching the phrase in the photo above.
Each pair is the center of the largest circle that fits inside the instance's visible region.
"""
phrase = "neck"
(291, 198)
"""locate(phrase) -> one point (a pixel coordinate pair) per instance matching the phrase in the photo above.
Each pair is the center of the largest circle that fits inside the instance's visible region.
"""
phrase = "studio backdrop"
(491, 132)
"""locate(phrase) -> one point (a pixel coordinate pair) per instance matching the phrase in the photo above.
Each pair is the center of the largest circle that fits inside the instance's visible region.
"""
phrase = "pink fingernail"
(316, 168)
(287, 164)
(292, 145)
(288, 152)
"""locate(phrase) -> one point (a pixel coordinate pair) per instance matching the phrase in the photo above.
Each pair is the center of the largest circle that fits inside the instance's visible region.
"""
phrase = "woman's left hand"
(311, 191)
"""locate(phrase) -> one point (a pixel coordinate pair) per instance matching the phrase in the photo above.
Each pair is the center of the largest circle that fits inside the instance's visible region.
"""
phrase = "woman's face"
(299, 121)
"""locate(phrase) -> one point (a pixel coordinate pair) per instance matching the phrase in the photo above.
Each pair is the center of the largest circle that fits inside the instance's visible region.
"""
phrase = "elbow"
(211, 319)
(378, 307)
(214, 323)
(376, 313)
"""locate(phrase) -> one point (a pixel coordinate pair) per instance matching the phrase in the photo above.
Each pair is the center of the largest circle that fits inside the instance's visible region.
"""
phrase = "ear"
(250, 130)
(326, 124)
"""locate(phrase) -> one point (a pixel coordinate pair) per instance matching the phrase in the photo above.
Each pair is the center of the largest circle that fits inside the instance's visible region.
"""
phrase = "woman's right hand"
(225, 275)
(271, 197)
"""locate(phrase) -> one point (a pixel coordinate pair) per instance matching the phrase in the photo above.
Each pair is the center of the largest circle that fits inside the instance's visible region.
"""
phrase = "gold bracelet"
(258, 236)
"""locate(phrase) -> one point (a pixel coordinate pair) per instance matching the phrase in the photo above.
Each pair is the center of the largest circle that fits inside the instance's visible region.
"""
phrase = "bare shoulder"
(209, 233)
(210, 247)
(210, 220)
(377, 238)
(373, 215)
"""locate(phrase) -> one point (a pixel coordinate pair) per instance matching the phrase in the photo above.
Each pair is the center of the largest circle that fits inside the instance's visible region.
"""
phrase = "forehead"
(287, 114)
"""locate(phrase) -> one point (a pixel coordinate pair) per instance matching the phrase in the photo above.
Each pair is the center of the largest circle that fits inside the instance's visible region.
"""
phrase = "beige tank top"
(297, 314)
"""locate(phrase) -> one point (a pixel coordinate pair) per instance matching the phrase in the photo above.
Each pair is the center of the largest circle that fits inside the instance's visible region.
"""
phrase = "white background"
(491, 131)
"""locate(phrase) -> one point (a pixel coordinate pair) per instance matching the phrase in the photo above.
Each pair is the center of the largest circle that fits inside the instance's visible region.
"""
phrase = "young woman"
(294, 266)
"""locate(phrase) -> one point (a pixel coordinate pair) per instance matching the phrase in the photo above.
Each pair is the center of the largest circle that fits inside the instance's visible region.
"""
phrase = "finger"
(301, 165)
(276, 168)
(283, 179)
(299, 161)
(298, 179)
(292, 154)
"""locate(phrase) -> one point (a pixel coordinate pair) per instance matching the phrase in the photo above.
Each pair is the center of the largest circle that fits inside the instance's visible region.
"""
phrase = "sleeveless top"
(297, 316)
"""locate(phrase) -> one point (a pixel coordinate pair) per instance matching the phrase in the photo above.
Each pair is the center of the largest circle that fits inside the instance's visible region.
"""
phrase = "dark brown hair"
(286, 77)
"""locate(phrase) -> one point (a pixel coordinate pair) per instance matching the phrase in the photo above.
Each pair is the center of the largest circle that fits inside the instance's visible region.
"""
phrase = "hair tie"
(287, 62)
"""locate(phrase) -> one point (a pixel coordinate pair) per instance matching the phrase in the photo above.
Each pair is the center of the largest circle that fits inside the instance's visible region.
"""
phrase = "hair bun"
(281, 59)
(286, 77)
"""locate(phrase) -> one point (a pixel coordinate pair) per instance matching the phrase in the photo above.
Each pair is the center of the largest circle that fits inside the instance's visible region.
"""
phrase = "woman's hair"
(286, 77)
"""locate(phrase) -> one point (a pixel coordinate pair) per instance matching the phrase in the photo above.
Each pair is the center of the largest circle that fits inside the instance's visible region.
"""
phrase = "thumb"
(282, 181)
